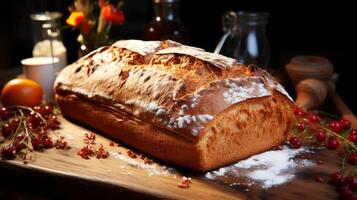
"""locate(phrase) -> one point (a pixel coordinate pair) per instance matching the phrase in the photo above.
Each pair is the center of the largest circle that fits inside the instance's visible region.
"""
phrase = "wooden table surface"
(63, 174)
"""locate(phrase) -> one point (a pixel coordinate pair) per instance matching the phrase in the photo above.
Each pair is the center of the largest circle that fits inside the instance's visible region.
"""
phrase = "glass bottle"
(47, 37)
(166, 23)
(245, 38)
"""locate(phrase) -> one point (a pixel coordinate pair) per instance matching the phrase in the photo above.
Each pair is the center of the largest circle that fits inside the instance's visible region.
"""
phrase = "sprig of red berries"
(345, 184)
(25, 129)
(334, 135)
(310, 128)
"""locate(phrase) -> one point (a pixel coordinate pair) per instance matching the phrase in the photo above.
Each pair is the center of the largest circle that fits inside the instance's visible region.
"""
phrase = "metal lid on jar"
(252, 18)
(46, 16)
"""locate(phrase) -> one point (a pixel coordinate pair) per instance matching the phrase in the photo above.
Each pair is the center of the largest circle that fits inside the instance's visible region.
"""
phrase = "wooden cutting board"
(161, 180)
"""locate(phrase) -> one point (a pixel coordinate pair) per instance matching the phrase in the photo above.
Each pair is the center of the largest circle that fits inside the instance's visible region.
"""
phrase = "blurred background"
(294, 28)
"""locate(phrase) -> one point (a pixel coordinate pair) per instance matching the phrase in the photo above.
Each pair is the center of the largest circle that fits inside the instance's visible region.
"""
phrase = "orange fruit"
(21, 91)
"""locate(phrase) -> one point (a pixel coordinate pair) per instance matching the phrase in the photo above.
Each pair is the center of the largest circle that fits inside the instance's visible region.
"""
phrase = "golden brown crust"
(152, 140)
(180, 97)
(245, 129)
(175, 91)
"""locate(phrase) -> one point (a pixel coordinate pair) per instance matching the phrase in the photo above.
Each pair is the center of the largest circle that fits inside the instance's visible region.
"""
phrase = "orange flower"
(112, 14)
(75, 18)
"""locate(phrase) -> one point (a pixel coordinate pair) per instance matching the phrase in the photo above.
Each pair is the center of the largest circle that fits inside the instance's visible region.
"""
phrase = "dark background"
(295, 28)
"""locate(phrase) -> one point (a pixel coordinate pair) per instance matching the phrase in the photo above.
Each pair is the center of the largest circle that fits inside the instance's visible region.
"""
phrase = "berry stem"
(31, 110)
(328, 114)
(27, 132)
(343, 164)
(341, 137)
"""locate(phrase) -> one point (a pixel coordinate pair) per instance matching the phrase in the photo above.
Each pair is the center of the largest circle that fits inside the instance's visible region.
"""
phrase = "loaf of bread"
(178, 103)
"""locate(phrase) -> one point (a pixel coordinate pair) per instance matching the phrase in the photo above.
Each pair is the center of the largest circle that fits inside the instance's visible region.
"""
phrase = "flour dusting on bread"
(165, 95)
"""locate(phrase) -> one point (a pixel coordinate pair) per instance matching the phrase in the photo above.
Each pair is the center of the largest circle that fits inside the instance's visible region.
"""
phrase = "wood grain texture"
(131, 175)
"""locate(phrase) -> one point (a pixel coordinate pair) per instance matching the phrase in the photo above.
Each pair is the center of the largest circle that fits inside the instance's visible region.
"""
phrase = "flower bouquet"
(94, 19)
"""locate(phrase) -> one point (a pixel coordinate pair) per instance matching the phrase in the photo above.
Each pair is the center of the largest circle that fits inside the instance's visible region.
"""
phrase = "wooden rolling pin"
(311, 77)
(311, 93)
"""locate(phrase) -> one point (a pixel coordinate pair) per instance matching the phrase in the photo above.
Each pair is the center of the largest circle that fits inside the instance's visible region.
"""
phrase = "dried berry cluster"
(90, 150)
(334, 135)
(26, 129)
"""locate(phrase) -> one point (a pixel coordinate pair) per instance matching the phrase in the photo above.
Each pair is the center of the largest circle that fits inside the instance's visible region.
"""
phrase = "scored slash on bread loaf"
(177, 103)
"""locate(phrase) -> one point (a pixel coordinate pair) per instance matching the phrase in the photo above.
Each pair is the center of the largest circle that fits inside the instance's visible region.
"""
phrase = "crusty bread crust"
(152, 140)
(245, 129)
(178, 103)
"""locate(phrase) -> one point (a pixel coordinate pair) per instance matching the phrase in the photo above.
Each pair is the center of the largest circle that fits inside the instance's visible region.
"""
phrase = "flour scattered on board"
(152, 169)
(270, 168)
(267, 169)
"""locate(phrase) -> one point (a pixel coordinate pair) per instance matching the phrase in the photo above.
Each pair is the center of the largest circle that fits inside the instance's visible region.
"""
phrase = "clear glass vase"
(245, 37)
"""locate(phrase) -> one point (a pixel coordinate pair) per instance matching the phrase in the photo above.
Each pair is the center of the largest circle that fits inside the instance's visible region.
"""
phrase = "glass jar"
(47, 37)
(245, 37)
(166, 23)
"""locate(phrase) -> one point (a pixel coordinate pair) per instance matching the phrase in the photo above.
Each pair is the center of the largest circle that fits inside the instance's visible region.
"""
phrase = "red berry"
(352, 159)
(20, 137)
(346, 192)
(337, 179)
(36, 143)
(18, 142)
(39, 109)
(346, 124)
(6, 130)
(8, 152)
(53, 123)
(34, 118)
(31, 127)
(47, 142)
(320, 136)
(15, 123)
(336, 126)
(332, 144)
(295, 142)
(297, 145)
(299, 112)
(19, 146)
(352, 182)
(5, 113)
(48, 110)
(313, 118)
(353, 136)
(300, 126)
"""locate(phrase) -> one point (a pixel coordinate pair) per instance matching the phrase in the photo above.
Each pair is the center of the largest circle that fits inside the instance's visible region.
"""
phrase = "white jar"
(43, 49)
(47, 37)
